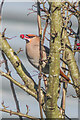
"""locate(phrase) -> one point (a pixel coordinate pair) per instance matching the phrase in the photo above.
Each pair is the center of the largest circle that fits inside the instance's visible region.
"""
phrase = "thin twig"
(18, 84)
(71, 8)
(65, 114)
(12, 86)
(1, 5)
(17, 113)
(44, 31)
(75, 86)
(64, 65)
(40, 48)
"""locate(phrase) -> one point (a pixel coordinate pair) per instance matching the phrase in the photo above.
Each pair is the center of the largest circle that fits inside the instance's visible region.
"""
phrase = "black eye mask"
(30, 36)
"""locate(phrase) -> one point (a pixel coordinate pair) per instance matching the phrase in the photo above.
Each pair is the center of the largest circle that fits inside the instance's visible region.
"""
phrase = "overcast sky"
(16, 21)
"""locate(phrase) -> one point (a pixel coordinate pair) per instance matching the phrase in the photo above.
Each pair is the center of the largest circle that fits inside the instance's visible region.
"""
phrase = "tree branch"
(22, 72)
(73, 68)
(19, 85)
(52, 110)
(40, 49)
(12, 86)
(17, 113)
(1, 5)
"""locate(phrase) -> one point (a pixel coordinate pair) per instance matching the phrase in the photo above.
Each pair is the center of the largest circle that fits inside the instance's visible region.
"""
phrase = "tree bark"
(52, 110)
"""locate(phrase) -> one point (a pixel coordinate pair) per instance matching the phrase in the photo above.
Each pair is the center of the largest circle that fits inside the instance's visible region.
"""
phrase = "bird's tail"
(64, 76)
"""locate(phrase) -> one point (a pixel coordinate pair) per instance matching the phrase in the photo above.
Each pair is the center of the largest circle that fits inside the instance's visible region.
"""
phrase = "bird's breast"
(33, 54)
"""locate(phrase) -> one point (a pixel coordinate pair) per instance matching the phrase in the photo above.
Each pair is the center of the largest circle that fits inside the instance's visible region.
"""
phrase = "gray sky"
(16, 21)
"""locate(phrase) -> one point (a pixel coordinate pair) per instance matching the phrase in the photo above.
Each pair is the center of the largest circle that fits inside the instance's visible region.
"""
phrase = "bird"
(33, 53)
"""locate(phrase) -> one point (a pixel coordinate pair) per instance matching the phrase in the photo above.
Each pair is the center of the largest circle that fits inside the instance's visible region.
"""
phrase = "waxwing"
(33, 53)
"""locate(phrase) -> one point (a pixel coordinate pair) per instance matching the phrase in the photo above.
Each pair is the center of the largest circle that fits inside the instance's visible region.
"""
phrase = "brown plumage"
(33, 53)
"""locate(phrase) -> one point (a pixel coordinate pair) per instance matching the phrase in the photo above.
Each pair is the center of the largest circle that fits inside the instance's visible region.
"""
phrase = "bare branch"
(1, 6)
(18, 84)
(40, 48)
(12, 86)
(17, 113)
(14, 59)
(44, 31)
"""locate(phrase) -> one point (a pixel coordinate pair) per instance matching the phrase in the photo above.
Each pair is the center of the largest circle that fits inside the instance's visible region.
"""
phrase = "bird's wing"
(47, 50)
